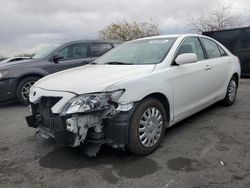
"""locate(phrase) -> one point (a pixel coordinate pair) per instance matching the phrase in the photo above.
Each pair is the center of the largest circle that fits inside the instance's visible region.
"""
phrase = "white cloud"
(26, 25)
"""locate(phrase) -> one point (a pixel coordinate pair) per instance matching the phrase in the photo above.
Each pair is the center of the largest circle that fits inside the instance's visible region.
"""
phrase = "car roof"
(172, 36)
(92, 40)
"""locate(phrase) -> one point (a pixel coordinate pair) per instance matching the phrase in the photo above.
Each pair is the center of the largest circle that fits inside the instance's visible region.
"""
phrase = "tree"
(125, 31)
(214, 20)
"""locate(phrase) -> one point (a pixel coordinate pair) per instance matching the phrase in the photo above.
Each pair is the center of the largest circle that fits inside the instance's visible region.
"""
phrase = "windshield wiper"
(117, 63)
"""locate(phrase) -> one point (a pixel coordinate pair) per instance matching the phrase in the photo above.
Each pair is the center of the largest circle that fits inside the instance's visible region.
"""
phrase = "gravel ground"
(209, 149)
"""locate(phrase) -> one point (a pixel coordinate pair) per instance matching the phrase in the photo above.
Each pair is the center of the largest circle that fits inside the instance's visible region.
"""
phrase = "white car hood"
(91, 78)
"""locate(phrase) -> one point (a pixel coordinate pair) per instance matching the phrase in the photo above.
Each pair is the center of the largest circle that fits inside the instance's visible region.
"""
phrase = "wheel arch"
(237, 77)
(164, 100)
(29, 75)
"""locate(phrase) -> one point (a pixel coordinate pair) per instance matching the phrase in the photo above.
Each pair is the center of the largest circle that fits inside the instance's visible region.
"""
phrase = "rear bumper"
(7, 89)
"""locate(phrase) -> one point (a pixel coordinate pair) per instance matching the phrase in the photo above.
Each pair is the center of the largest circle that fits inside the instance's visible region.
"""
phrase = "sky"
(26, 26)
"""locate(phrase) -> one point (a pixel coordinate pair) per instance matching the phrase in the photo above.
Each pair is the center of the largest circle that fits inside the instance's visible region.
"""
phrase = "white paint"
(188, 88)
(186, 58)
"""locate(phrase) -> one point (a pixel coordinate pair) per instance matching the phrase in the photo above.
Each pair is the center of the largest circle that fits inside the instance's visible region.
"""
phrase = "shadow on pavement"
(126, 164)
(12, 103)
(123, 163)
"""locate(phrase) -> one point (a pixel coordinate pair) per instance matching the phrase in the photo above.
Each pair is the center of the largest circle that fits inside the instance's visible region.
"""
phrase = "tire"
(141, 146)
(231, 92)
(24, 85)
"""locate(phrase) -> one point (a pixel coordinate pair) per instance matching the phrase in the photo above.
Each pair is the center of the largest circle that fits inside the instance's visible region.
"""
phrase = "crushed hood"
(91, 78)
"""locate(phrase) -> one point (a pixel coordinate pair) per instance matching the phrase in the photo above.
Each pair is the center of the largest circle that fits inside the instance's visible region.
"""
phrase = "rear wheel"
(23, 89)
(231, 92)
(147, 127)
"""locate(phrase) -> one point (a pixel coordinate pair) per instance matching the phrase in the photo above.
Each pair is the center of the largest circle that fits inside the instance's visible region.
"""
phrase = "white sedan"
(128, 97)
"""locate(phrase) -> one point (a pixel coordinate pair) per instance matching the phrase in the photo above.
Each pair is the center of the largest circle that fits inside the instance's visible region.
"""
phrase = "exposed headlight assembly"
(91, 102)
(3, 74)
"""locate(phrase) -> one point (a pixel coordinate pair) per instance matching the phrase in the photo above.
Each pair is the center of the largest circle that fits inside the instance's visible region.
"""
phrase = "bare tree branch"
(214, 20)
(125, 31)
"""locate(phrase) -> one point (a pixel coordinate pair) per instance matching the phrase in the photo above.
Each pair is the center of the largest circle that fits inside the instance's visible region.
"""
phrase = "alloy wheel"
(26, 89)
(232, 89)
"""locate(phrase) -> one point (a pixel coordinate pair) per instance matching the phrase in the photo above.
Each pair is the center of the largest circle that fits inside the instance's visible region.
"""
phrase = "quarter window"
(75, 51)
(222, 52)
(98, 49)
(16, 59)
(211, 48)
(192, 45)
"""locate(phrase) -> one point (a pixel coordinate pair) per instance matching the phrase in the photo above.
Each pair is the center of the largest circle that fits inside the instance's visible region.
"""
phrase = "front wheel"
(231, 92)
(147, 127)
(23, 89)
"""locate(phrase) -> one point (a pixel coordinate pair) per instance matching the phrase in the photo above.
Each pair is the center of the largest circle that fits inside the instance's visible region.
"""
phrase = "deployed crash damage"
(85, 118)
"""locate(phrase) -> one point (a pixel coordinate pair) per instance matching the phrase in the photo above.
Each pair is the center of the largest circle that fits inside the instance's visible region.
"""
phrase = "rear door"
(218, 64)
(191, 81)
(73, 55)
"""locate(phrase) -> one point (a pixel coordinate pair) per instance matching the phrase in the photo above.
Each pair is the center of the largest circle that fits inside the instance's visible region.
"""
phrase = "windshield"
(45, 52)
(148, 51)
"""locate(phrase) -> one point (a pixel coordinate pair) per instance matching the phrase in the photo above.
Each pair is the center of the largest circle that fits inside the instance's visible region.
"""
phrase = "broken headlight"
(91, 102)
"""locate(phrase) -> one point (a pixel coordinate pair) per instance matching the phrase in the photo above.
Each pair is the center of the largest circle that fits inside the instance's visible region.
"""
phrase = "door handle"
(208, 67)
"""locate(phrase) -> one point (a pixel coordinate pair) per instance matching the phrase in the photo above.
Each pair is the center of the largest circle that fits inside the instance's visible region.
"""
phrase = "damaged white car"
(128, 97)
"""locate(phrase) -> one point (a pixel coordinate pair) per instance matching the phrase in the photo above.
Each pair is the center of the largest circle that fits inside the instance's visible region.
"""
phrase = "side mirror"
(186, 58)
(57, 57)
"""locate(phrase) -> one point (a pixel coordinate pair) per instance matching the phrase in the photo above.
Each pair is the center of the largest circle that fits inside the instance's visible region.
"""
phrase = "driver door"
(74, 55)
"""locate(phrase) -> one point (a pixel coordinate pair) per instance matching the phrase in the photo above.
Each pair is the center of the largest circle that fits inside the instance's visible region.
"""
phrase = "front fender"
(31, 71)
(140, 87)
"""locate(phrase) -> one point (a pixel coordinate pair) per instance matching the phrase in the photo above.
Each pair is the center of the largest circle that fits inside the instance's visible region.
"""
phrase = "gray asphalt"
(209, 149)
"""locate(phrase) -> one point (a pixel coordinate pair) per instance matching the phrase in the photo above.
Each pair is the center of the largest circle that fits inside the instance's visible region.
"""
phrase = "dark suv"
(16, 78)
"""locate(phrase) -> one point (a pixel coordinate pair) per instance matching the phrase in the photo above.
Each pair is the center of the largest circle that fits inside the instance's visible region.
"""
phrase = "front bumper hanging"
(96, 127)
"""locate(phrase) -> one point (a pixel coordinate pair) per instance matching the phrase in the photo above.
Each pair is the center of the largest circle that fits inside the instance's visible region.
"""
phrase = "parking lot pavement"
(209, 149)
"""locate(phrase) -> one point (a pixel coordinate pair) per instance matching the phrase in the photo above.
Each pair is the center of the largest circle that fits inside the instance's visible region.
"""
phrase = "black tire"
(20, 88)
(229, 100)
(135, 145)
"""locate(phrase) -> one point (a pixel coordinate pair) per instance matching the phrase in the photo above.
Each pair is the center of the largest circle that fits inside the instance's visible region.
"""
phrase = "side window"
(192, 45)
(16, 59)
(98, 49)
(75, 51)
(211, 48)
(222, 52)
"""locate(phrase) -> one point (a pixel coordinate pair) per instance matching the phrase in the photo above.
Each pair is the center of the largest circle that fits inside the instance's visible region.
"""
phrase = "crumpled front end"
(91, 119)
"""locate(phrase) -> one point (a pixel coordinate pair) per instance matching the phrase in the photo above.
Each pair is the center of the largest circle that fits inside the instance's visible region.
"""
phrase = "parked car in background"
(238, 42)
(2, 58)
(12, 59)
(128, 97)
(16, 78)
